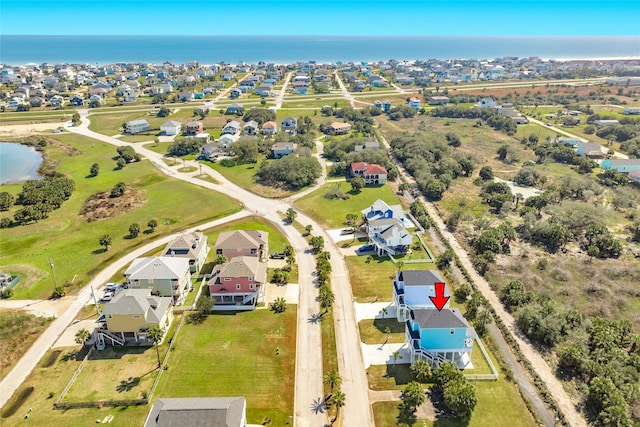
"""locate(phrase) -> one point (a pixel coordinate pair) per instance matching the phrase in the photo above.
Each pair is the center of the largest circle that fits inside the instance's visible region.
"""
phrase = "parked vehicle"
(366, 248)
(112, 287)
(277, 255)
(348, 231)
(108, 296)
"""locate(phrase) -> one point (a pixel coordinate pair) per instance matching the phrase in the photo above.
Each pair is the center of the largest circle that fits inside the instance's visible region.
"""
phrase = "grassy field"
(510, 412)
(234, 355)
(372, 331)
(18, 330)
(332, 213)
(373, 281)
(47, 381)
(72, 243)
(132, 371)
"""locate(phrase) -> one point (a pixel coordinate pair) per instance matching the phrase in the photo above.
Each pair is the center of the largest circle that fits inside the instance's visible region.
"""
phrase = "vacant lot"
(372, 281)
(132, 371)
(72, 243)
(235, 355)
(48, 380)
(331, 213)
(18, 331)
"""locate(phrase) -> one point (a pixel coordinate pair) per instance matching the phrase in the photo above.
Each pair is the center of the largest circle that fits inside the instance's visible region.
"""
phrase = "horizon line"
(321, 35)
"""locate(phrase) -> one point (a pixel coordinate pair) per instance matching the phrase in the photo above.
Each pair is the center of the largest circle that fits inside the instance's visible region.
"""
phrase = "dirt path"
(562, 398)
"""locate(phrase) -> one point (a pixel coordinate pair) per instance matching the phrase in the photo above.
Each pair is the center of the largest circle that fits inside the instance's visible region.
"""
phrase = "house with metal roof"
(167, 276)
(198, 411)
(438, 336)
(412, 289)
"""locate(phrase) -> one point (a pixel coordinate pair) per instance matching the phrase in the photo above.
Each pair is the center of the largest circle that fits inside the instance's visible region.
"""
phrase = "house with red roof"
(371, 172)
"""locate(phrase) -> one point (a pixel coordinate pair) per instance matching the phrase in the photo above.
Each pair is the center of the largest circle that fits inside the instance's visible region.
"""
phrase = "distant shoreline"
(104, 50)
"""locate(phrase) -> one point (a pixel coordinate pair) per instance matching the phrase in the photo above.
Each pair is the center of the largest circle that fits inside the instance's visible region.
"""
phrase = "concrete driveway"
(373, 310)
(68, 337)
(382, 354)
(289, 292)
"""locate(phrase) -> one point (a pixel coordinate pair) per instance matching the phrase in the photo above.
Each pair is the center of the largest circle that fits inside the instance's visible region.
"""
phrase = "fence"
(100, 404)
(73, 378)
(493, 376)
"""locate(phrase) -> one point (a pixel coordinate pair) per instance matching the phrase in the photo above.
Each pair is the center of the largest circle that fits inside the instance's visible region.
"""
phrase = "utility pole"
(55, 285)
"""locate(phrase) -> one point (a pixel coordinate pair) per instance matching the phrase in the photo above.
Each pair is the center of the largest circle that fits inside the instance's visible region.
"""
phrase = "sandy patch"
(19, 130)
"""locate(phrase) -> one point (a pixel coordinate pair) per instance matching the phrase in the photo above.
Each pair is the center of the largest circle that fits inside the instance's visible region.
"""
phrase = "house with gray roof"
(281, 149)
(129, 316)
(137, 126)
(238, 284)
(438, 336)
(198, 412)
(236, 243)
(412, 289)
(191, 245)
(167, 276)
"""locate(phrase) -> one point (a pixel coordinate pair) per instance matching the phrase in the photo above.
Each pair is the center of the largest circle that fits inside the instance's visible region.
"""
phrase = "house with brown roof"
(238, 284)
(371, 172)
(236, 243)
(269, 128)
(192, 246)
(338, 128)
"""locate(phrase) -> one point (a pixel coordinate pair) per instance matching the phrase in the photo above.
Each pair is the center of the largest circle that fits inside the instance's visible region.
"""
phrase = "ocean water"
(19, 50)
(18, 162)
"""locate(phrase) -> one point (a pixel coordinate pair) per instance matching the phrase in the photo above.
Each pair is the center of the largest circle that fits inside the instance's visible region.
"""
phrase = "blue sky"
(304, 17)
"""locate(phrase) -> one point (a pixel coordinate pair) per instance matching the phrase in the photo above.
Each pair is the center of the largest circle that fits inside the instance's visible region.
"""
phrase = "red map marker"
(439, 300)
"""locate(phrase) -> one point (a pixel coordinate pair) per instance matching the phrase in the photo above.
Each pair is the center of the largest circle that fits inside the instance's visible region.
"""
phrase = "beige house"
(242, 243)
(129, 316)
(192, 246)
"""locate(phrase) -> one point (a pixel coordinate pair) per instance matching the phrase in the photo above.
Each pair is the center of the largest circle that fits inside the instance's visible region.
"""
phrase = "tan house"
(242, 243)
(163, 275)
(129, 316)
(192, 246)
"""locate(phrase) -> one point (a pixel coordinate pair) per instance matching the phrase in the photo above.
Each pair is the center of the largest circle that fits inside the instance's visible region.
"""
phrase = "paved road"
(25, 365)
(562, 398)
(616, 154)
(345, 93)
(283, 91)
(309, 387)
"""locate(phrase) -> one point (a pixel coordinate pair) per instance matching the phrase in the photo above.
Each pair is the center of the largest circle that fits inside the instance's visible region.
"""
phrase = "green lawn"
(235, 355)
(332, 213)
(374, 281)
(499, 404)
(72, 243)
(132, 371)
(51, 376)
(243, 175)
(372, 331)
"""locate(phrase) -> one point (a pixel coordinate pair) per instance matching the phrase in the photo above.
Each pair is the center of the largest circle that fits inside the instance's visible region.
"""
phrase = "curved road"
(309, 391)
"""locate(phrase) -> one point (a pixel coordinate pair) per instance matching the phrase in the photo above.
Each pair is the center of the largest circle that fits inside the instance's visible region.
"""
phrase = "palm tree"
(338, 399)
(155, 335)
(396, 355)
(82, 336)
(332, 379)
(326, 297)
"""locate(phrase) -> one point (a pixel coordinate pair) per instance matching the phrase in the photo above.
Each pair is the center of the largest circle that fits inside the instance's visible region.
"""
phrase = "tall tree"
(413, 394)
(332, 379)
(82, 336)
(155, 335)
(338, 399)
(106, 241)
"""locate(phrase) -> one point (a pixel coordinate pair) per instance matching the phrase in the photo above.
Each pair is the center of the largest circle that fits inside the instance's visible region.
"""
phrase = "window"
(110, 316)
(218, 251)
(252, 286)
(136, 316)
(227, 279)
(452, 331)
(237, 286)
(251, 278)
